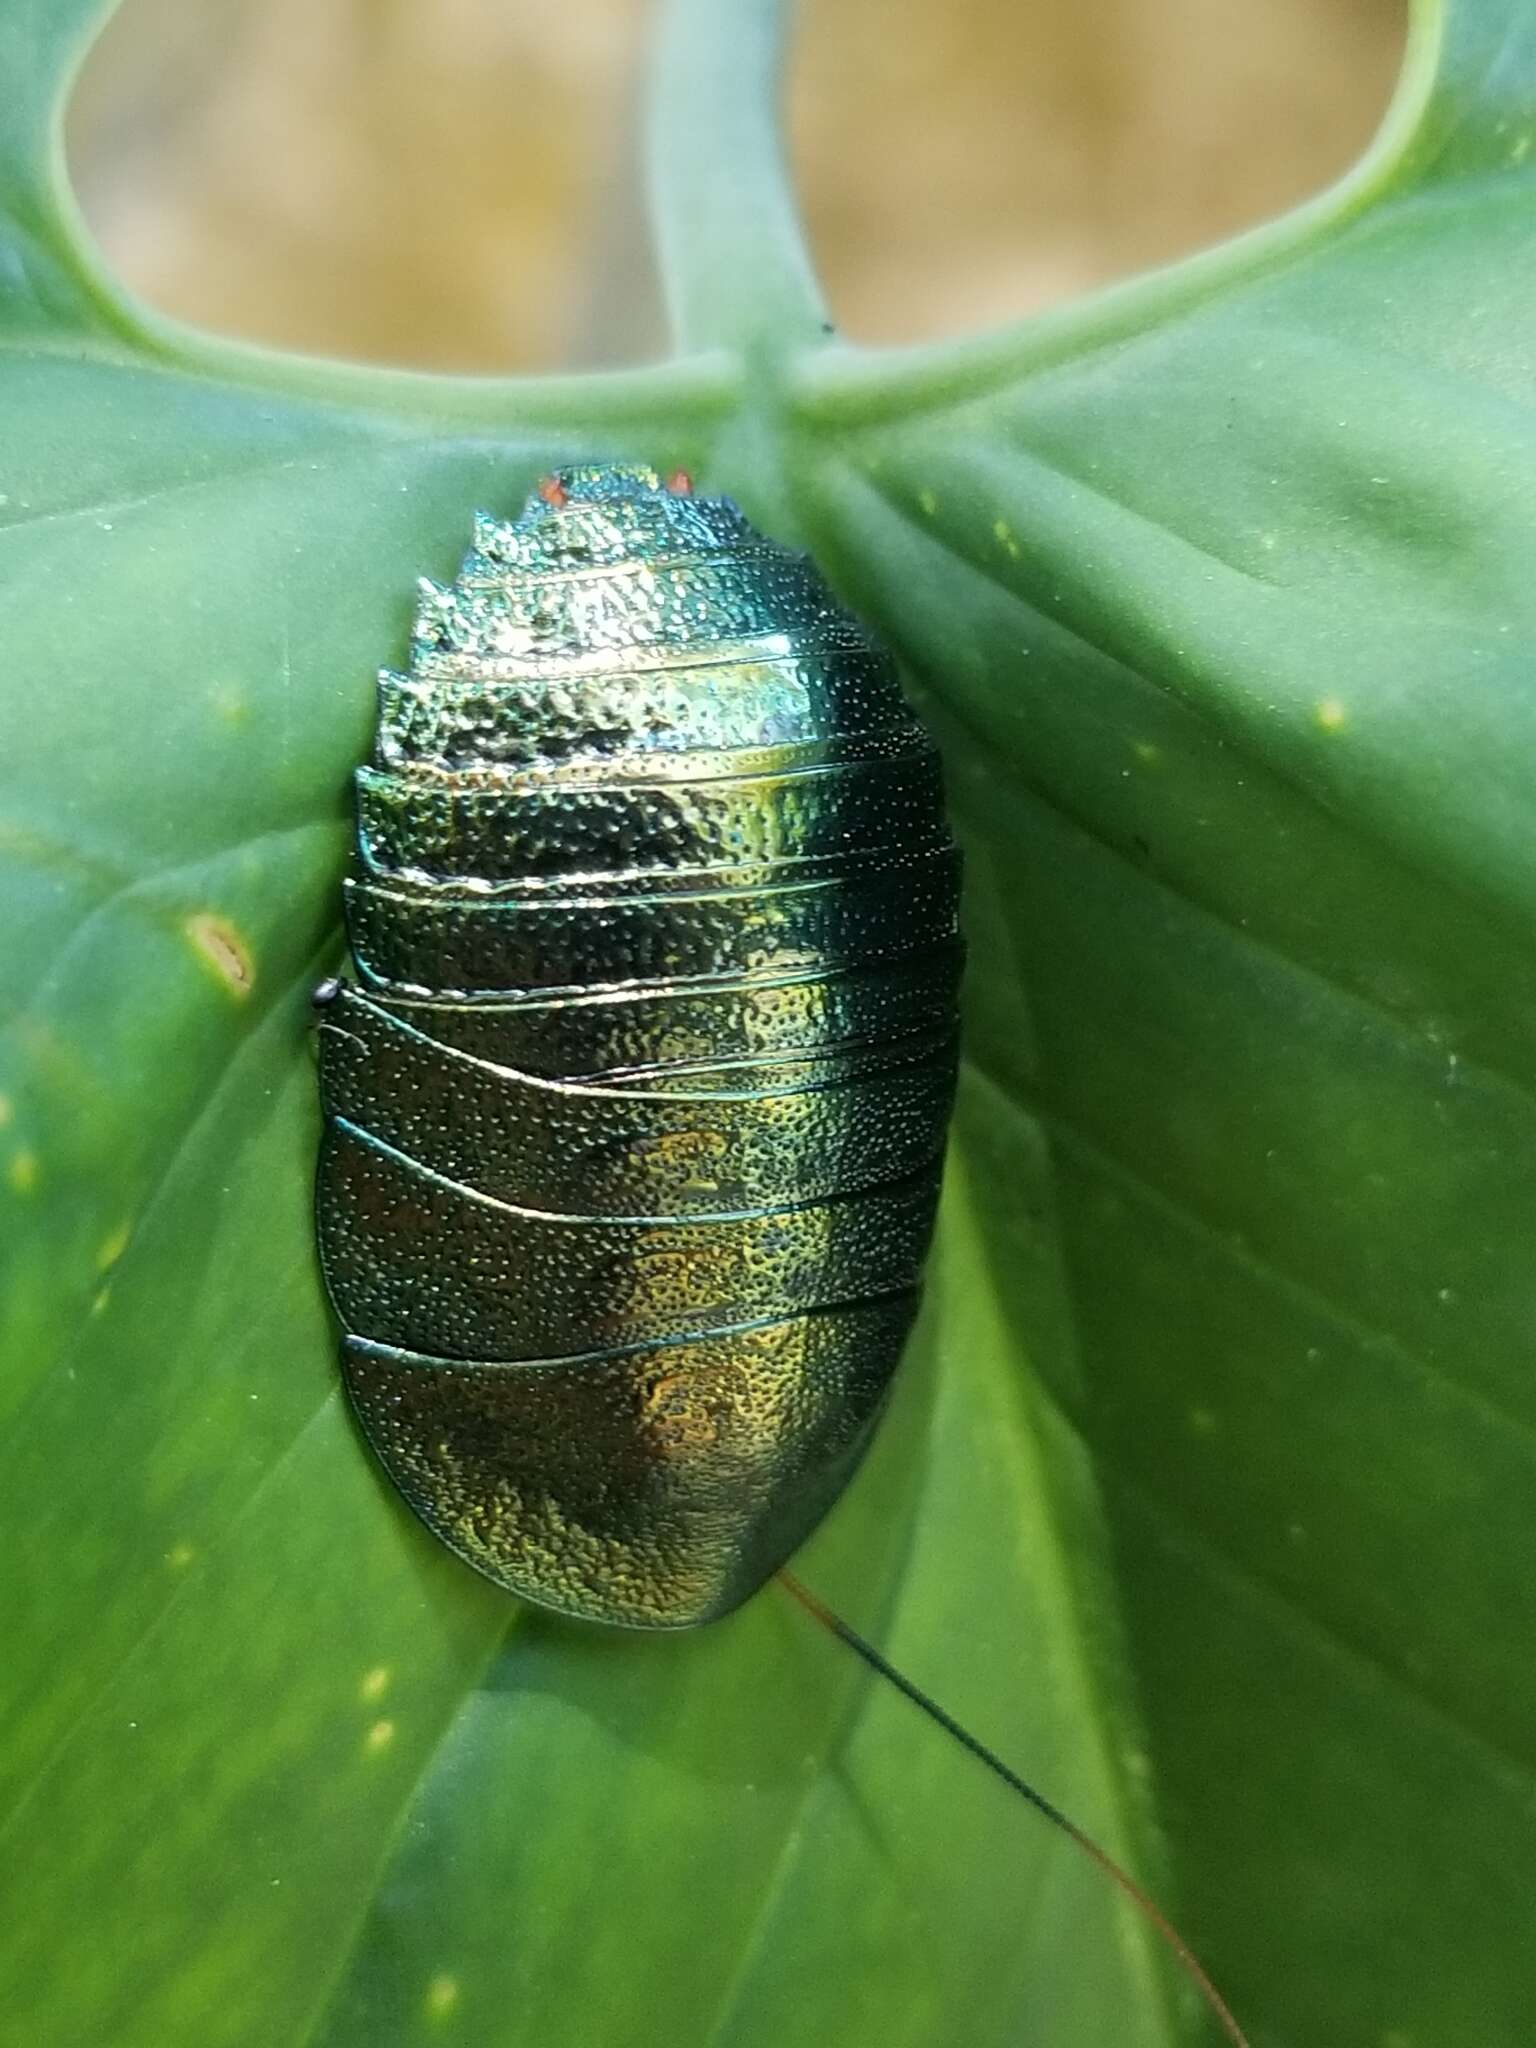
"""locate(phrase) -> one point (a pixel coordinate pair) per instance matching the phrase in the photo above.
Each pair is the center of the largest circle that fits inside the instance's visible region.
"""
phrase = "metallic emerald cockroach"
(635, 1109)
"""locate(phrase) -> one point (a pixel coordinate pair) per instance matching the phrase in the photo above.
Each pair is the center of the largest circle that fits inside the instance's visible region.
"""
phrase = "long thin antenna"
(1150, 1911)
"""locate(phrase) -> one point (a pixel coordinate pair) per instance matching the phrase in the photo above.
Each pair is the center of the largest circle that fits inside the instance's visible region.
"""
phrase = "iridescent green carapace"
(635, 1108)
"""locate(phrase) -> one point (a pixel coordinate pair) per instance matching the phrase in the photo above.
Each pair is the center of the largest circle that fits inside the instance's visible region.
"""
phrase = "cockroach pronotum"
(635, 1110)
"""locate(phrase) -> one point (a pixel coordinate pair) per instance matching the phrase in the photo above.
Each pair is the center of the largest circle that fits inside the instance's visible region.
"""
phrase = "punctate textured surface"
(634, 1114)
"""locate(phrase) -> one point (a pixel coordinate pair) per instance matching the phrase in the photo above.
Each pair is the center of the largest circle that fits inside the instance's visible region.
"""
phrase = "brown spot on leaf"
(225, 951)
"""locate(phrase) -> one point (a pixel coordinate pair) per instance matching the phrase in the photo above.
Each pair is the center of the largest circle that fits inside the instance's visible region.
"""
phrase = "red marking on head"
(552, 491)
(680, 484)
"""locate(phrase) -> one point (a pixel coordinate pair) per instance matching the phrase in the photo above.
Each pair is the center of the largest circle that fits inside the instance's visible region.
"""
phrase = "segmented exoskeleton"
(634, 1112)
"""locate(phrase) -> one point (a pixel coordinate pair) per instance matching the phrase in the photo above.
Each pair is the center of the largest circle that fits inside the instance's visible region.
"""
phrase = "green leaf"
(1205, 1495)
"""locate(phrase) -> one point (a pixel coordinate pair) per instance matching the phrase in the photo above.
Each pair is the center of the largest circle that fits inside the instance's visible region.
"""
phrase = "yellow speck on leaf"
(7, 1110)
(102, 1297)
(379, 1737)
(928, 502)
(1202, 1421)
(222, 947)
(22, 1171)
(112, 1247)
(442, 1996)
(1003, 533)
(1147, 752)
(179, 1556)
(231, 705)
(375, 1683)
(1331, 714)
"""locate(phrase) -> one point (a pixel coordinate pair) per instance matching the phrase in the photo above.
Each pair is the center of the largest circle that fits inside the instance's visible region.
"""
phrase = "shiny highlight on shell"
(636, 1104)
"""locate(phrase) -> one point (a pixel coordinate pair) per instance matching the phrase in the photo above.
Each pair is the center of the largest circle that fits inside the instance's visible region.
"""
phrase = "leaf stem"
(733, 261)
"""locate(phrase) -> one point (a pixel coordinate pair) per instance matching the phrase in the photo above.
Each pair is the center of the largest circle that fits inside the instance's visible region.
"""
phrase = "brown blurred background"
(450, 183)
